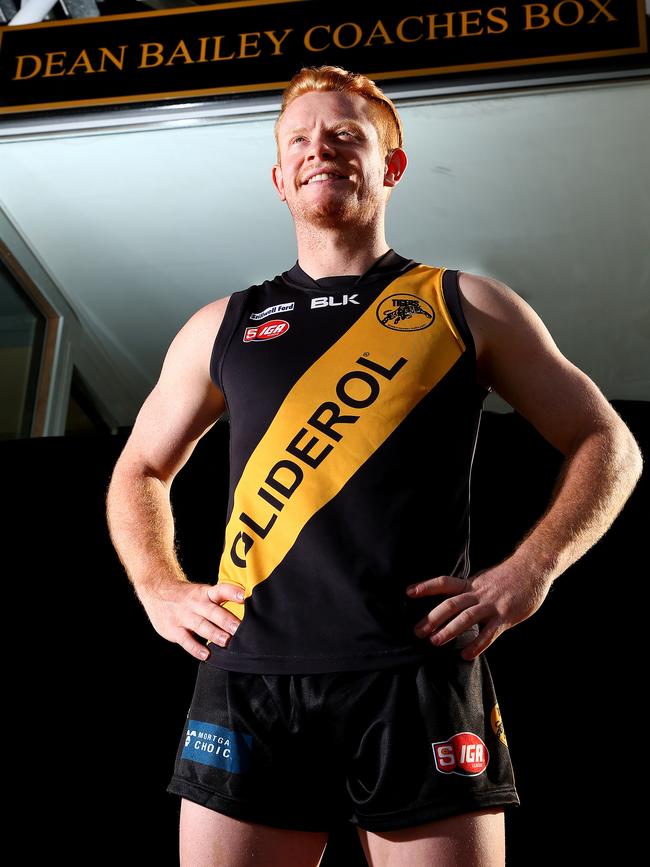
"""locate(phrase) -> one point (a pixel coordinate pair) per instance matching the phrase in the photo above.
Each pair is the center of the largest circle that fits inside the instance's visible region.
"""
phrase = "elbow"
(619, 454)
(627, 455)
(131, 474)
(635, 460)
(114, 492)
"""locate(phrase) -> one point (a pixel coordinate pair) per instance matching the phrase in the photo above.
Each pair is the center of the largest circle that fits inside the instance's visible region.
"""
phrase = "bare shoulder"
(191, 347)
(482, 284)
(184, 403)
(518, 357)
(493, 310)
(482, 297)
(203, 326)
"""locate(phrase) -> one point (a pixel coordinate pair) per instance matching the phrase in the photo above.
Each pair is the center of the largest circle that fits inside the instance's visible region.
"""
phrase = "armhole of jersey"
(451, 290)
(231, 318)
(452, 300)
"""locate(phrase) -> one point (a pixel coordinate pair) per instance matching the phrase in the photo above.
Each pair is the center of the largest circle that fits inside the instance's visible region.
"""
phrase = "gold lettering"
(307, 40)
(204, 44)
(277, 42)
(496, 19)
(217, 50)
(146, 54)
(19, 68)
(400, 29)
(51, 62)
(180, 51)
(448, 26)
(82, 60)
(464, 17)
(579, 9)
(602, 10)
(244, 45)
(530, 15)
(357, 32)
(119, 63)
(379, 31)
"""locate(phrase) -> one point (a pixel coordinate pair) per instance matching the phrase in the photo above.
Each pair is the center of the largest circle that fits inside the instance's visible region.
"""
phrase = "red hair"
(324, 78)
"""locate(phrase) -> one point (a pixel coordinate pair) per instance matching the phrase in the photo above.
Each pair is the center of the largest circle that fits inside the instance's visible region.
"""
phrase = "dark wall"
(102, 698)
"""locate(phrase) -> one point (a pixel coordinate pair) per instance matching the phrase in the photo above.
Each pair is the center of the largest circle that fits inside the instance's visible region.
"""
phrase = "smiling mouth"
(325, 176)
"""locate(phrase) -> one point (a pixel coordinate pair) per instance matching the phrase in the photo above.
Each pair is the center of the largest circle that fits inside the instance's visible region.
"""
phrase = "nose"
(321, 147)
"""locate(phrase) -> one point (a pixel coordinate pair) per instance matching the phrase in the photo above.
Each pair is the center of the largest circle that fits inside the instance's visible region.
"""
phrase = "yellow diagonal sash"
(428, 353)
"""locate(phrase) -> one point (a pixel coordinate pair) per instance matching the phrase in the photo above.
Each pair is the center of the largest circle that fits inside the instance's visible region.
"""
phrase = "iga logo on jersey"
(274, 328)
(464, 754)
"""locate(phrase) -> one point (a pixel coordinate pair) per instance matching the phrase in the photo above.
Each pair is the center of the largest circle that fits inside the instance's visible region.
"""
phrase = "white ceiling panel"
(547, 191)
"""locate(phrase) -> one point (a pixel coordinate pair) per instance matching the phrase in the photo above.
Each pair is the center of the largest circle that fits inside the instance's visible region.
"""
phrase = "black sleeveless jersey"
(354, 412)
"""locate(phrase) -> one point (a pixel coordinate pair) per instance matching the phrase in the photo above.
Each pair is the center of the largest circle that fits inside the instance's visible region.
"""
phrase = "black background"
(100, 699)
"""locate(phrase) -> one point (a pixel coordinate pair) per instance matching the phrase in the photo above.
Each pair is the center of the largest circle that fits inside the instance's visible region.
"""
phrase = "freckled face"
(331, 169)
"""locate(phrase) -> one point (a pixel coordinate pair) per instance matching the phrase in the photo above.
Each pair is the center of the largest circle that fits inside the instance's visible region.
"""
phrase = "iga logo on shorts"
(274, 328)
(464, 754)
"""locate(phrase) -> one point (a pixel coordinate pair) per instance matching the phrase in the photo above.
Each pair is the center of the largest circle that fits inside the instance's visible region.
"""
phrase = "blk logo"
(268, 331)
(328, 301)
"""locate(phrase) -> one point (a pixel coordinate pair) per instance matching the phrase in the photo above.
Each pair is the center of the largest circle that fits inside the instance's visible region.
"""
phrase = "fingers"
(457, 615)
(205, 617)
(217, 628)
(483, 640)
(210, 619)
(451, 618)
(185, 612)
(193, 647)
(442, 584)
(494, 599)
(222, 591)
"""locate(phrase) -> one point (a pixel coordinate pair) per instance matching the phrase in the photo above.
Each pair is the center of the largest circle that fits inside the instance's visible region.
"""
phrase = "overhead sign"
(257, 45)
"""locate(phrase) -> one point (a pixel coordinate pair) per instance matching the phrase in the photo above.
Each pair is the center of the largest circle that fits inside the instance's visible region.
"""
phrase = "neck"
(339, 251)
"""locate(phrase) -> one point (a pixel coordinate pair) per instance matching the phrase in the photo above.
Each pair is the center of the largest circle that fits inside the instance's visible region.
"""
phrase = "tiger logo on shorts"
(497, 725)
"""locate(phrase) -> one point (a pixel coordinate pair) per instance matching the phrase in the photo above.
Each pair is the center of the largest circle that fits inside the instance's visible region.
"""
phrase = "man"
(344, 675)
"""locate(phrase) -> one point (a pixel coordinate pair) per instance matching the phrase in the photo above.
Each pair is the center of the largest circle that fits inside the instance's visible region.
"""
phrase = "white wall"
(547, 191)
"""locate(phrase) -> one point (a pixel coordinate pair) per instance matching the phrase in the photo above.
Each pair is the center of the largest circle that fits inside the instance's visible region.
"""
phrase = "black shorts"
(383, 749)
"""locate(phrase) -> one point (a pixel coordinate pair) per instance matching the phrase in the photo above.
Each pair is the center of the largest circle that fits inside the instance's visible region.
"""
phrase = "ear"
(395, 167)
(278, 181)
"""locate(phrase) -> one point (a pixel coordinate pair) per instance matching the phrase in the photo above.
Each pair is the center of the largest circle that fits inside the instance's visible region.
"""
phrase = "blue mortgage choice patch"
(217, 746)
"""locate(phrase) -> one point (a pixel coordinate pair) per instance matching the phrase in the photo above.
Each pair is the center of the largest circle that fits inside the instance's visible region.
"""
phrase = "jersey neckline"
(389, 262)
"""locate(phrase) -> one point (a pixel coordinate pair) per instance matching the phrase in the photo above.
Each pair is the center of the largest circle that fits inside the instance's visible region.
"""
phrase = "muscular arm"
(517, 356)
(181, 408)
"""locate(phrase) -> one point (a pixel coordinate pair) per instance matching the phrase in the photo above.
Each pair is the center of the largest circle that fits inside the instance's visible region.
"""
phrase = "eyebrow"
(343, 122)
